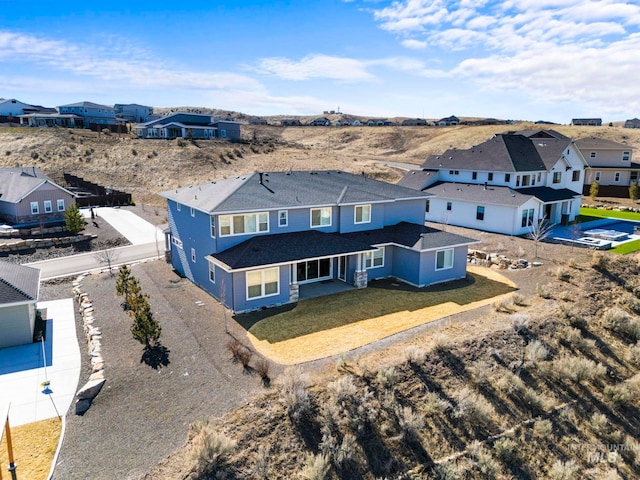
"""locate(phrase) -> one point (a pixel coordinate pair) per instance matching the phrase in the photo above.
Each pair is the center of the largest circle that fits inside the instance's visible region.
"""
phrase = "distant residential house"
(380, 122)
(290, 122)
(257, 121)
(610, 164)
(258, 240)
(28, 196)
(346, 122)
(588, 122)
(11, 110)
(632, 123)
(414, 122)
(506, 184)
(319, 122)
(188, 125)
(133, 113)
(74, 115)
(448, 121)
(19, 290)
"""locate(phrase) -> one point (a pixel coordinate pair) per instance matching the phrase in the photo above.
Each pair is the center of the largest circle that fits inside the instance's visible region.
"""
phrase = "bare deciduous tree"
(541, 231)
(107, 257)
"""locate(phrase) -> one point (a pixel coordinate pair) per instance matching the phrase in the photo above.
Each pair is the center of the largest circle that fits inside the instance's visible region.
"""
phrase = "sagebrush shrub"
(410, 423)
(414, 355)
(520, 322)
(388, 377)
(564, 470)
(472, 407)
(316, 467)
(543, 429)
(343, 389)
(296, 396)
(536, 352)
(210, 450)
(505, 449)
(578, 369)
(483, 460)
(563, 274)
(518, 299)
(433, 404)
(634, 354)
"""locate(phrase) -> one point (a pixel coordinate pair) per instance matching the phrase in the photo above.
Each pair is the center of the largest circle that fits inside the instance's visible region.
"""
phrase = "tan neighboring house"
(587, 122)
(28, 196)
(610, 164)
(19, 288)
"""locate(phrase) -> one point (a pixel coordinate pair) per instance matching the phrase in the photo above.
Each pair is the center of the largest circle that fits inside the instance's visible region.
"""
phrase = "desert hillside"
(145, 167)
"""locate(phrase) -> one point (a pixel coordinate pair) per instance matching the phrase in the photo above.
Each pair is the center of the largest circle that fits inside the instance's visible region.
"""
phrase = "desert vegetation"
(554, 393)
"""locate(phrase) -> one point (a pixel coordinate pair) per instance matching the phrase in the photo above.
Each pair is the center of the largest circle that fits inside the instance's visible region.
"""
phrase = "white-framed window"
(594, 154)
(616, 177)
(243, 224)
(490, 176)
(193, 255)
(61, 205)
(192, 211)
(34, 208)
(223, 133)
(321, 217)
(178, 206)
(48, 208)
(507, 177)
(576, 176)
(444, 259)
(362, 214)
(263, 283)
(557, 177)
(474, 175)
(177, 242)
(597, 177)
(212, 272)
(626, 156)
(283, 218)
(527, 217)
(374, 259)
(212, 225)
(449, 205)
(427, 206)
(479, 212)
(454, 172)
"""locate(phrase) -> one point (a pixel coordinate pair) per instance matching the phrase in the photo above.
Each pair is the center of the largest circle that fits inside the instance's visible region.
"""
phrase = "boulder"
(99, 375)
(90, 389)
(82, 406)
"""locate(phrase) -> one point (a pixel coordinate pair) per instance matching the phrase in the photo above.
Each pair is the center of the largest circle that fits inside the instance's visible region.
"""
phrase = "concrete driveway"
(135, 229)
(22, 369)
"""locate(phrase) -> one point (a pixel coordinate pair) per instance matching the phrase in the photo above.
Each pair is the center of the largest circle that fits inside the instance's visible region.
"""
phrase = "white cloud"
(316, 66)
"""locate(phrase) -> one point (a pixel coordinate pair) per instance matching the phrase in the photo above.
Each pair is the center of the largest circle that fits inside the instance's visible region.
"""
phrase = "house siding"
(16, 324)
(428, 273)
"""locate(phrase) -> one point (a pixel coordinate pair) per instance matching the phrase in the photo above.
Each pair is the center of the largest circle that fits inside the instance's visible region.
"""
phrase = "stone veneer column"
(360, 279)
(294, 292)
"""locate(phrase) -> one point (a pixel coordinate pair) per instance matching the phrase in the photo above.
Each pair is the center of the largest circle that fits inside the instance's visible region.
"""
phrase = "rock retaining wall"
(93, 337)
(485, 259)
(9, 246)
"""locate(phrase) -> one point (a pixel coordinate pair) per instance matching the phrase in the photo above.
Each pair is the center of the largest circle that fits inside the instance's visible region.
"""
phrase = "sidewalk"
(21, 387)
(135, 229)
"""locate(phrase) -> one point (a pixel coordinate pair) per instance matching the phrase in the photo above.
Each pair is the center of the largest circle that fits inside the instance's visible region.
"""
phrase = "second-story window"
(321, 217)
(507, 177)
(212, 224)
(479, 212)
(243, 224)
(362, 214)
(490, 176)
(557, 177)
(448, 205)
(474, 175)
(626, 156)
(594, 154)
(575, 176)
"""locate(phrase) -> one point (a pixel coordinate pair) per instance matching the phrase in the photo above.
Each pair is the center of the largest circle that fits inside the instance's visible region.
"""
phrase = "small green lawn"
(628, 247)
(382, 297)
(588, 214)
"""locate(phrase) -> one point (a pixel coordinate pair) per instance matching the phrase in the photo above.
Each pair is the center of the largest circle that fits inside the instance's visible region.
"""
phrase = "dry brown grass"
(159, 165)
(34, 446)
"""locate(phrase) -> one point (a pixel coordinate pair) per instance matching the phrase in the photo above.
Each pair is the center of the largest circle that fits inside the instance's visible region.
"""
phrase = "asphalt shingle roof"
(272, 190)
(596, 143)
(491, 194)
(18, 283)
(417, 179)
(264, 250)
(503, 153)
(548, 194)
(15, 183)
(288, 247)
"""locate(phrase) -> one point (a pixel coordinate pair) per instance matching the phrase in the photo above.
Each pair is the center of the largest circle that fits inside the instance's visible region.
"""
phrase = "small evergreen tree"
(594, 189)
(145, 328)
(134, 296)
(74, 220)
(633, 191)
(123, 283)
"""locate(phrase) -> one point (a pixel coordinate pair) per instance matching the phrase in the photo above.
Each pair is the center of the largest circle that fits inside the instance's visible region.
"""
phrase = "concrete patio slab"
(30, 402)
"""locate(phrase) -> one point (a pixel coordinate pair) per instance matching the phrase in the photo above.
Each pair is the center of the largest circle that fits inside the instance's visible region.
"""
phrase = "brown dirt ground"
(142, 413)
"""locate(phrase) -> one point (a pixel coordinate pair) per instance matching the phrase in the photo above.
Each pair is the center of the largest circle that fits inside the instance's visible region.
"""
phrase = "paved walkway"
(135, 229)
(22, 370)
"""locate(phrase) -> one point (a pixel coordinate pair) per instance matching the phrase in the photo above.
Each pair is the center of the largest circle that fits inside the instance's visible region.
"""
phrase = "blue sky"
(518, 59)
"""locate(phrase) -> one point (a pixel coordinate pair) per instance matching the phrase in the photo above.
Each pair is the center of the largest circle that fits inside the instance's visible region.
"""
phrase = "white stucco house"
(505, 185)
(610, 164)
